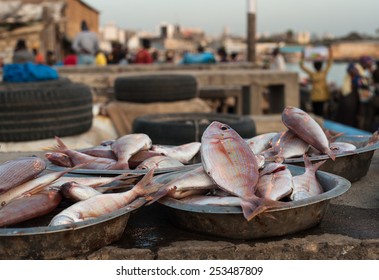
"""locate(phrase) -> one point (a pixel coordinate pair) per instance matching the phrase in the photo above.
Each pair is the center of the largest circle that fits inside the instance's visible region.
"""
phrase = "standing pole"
(251, 30)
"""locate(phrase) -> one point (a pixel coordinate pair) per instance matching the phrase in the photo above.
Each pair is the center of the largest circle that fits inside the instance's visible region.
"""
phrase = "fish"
(102, 204)
(306, 185)
(185, 181)
(271, 167)
(32, 186)
(373, 139)
(261, 142)
(159, 162)
(189, 193)
(289, 145)
(342, 147)
(306, 128)
(100, 151)
(140, 156)
(59, 159)
(276, 185)
(184, 153)
(87, 161)
(77, 192)
(232, 165)
(128, 145)
(29, 207)
(18, 171)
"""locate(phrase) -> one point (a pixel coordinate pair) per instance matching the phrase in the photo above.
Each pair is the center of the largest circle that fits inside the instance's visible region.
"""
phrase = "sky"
(338, 17)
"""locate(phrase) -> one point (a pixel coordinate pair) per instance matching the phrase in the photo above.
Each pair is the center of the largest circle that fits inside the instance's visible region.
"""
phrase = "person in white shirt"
(278, 62)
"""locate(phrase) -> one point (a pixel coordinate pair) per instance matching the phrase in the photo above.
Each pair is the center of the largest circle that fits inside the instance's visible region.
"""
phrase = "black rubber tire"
(61, 82)
(155, 88)
(182, 128)
(34, 113)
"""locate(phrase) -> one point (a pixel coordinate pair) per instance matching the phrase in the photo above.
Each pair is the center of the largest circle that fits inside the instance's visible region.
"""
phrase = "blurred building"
(44, 24)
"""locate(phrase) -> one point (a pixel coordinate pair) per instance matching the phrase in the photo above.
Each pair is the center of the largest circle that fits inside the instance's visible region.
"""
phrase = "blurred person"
(222, 54)
(86, 45)
(71, 58)
(277, 60)
(100, 58)
(50, 58)
(375, 78)
(320, 94)
(201, 57)
(21, 53)
(118, 54)
(38, 57)
(234, 57)
(143, 56)
(169, 56)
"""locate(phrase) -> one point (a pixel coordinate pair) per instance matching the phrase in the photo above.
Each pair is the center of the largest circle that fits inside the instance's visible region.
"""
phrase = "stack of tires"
(176, 128)
(42, 110)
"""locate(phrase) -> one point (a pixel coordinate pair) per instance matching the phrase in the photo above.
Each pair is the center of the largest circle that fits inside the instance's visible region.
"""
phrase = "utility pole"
(251, 29)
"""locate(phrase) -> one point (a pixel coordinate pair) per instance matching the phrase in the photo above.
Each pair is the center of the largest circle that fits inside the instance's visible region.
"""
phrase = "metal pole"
(251, 29)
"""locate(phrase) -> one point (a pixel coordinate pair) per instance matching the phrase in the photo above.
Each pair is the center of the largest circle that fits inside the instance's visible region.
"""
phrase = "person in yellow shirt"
(100, 59)
(320, 92)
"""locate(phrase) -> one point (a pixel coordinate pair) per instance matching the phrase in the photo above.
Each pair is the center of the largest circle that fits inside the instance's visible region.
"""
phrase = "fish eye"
(224, 128)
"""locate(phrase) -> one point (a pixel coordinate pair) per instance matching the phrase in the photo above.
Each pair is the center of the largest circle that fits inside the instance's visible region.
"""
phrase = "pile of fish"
(132, 151)
(233, 172)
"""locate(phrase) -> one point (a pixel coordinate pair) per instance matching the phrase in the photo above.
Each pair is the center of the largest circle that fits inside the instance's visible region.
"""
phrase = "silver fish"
(341, 147)
(128, 145)
(289, 145)
(184, 153)
(213, 200)
(276, 185)
(306, 185)
(261, 142)
(306, 128)
(159, 162)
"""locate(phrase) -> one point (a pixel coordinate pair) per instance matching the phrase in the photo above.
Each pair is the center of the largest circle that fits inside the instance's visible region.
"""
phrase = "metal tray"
(229, 222)
(33, 241)
(351, 165)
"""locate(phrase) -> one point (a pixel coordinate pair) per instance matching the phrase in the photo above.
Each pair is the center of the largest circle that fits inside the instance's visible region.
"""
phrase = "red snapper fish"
(306, 128)
(229, 161)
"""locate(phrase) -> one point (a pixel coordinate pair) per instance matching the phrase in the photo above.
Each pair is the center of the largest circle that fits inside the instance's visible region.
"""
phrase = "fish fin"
(255, 206)
(331, 154)
(309, 166)
(159, 194)
(140, 187)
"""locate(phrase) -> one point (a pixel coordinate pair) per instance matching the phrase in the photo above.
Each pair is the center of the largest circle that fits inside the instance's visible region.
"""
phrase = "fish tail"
(309, 166)
(253, 207)
(163, 191)
(140, 187)
(60, 146)
(331, 154)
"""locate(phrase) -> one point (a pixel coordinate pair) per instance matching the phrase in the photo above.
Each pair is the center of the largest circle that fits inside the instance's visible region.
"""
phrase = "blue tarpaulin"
(28, 72)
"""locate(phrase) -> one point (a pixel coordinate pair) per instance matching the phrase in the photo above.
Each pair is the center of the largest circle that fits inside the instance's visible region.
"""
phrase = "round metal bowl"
(229, 222)
(32, 241)
(351, 165)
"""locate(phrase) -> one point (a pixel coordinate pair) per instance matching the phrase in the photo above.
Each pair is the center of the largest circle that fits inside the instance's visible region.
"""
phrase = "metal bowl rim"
(342, 185)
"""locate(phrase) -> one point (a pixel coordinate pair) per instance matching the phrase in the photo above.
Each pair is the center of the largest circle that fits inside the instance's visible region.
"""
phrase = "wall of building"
(353, 50)
(75, 12)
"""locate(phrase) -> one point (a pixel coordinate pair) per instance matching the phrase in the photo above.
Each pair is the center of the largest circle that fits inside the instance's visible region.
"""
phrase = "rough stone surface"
(115, 253)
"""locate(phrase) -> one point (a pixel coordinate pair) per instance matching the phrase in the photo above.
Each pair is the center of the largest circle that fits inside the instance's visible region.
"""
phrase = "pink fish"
(59, 159)
(276, 185)
(18, 171)
(306, 128)
(29, 207)
(88, 162)
(229, 161)
(289, 145)
(184, 153)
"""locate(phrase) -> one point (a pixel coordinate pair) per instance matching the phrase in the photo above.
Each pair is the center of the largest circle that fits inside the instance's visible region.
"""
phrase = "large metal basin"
(229, 222)
(351, 165)
(35, 240)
